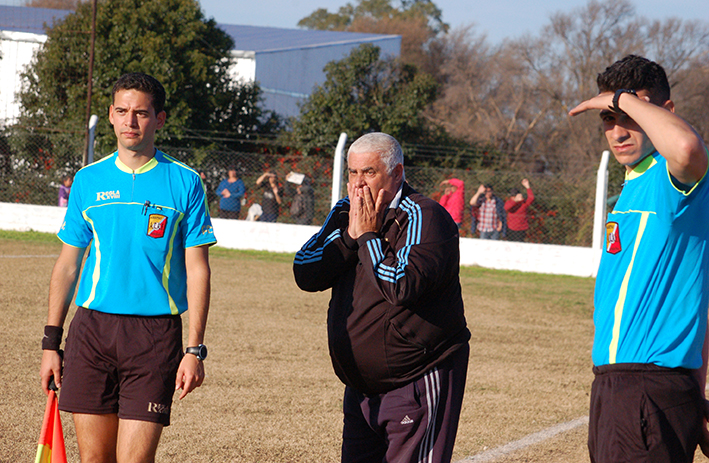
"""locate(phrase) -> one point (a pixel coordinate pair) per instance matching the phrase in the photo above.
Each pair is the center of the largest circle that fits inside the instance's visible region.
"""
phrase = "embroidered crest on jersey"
(157, 225)
(613, 238)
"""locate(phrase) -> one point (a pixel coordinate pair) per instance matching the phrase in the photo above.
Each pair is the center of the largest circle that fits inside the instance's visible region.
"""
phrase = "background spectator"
(516, 208)
(272, 193)
(302, 208)
(64, 190)
(488, 213)
(453, 199)
(231, 190)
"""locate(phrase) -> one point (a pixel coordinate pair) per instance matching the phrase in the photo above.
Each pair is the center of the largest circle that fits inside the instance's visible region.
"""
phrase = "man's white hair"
(385, 145)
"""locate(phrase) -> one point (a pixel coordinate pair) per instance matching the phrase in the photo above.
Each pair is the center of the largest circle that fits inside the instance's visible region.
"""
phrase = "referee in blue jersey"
(143, 215)
(652, 289)
(396, 329)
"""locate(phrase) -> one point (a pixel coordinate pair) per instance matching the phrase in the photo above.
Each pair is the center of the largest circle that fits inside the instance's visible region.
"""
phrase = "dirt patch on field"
(270, 393)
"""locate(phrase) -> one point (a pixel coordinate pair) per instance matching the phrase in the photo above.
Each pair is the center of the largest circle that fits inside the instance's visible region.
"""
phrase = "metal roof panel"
(26, 19)
(246, 38)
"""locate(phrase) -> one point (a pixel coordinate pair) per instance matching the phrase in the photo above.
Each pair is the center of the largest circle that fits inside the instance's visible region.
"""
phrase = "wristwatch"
(200, 351)
(615, 108)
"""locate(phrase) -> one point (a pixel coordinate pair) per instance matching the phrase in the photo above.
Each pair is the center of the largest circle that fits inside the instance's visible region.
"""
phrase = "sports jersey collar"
(397, 198)
(642, 167)
(140, 170)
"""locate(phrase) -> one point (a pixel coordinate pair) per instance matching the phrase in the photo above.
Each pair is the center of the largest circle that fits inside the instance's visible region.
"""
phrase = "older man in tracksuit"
(397, 333)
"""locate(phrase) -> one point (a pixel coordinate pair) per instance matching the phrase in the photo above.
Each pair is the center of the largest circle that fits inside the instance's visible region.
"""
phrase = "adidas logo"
(407, 420)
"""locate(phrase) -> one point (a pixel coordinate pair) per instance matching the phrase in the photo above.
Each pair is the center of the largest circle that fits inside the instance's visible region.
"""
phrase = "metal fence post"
(599, 216)
(337, 169)
(93, 121)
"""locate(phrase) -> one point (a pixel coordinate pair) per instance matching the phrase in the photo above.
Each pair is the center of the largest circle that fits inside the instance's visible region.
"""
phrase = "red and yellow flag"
(51, 439)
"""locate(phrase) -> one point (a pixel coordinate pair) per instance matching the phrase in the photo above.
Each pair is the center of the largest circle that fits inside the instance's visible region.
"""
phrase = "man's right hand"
(366, 212)
(51, 367)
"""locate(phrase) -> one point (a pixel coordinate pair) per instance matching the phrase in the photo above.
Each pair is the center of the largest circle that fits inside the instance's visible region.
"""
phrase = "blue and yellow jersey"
(138, 224)
(651, 294)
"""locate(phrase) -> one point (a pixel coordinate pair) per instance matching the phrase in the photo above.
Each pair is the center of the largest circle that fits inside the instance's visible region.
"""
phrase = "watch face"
(200, 351)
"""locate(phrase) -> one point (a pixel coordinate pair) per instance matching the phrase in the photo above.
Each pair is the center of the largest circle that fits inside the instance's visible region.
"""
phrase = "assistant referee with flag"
(144, 217)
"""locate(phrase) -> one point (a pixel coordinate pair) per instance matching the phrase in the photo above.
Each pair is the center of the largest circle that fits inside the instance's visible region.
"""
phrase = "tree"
(55, 4)
(418, 22)
(347, 15)
(361, 94)
(584, 42)
(169, 39)
(682, 47)
(691, 94)
(516, 97)
(487, 97)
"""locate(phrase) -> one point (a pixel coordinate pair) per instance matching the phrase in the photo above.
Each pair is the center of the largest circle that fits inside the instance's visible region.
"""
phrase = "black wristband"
(616, 97)
(52, 339)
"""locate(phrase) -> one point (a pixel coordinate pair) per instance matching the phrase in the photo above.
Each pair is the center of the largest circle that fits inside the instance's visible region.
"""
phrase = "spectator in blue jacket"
(231, 190)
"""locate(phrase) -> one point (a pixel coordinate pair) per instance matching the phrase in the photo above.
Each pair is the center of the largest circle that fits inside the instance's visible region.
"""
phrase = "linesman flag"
(51, 439)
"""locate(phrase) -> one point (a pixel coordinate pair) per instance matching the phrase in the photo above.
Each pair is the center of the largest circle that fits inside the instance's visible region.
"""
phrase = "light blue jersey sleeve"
(198, 223)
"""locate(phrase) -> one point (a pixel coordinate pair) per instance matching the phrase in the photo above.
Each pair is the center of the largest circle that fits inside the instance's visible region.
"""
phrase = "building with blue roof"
(29, 20)
(287, 63)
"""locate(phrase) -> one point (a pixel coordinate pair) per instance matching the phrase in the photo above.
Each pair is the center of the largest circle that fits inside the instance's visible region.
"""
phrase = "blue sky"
(499, 19)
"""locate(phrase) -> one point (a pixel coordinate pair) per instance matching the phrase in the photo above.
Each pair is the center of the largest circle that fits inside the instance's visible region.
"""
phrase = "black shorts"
(644, 413)
(121, 364)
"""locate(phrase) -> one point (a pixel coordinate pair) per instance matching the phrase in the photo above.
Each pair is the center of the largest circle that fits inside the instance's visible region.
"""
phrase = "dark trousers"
(644, 413)
(415, 423)
(224, 214)
(516, 235)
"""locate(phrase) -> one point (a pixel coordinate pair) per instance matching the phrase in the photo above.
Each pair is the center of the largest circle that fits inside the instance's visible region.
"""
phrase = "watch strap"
(199, 351)
(615, 108)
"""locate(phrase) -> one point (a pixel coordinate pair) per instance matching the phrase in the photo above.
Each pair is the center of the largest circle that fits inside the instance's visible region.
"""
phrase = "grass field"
(270, 394)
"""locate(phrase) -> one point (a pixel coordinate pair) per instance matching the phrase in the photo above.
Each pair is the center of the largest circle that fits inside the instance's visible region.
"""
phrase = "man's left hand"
(190, 374)
(366, 214)
(602, 101)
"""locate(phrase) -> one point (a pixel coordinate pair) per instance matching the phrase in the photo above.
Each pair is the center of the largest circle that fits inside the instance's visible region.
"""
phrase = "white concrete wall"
(240, 234)
(261, 236)
(529, 257)
(26, 217)
(16, 49)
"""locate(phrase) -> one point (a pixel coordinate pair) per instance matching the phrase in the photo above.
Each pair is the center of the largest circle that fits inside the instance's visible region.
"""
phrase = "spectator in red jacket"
(516, 207)
(453, 199)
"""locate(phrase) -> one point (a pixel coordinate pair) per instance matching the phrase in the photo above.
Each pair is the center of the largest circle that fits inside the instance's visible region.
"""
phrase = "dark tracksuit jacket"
(396, 309)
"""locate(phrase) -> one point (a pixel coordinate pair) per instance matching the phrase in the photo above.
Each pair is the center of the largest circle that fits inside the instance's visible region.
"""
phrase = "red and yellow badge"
(157, 225)
(613, 238)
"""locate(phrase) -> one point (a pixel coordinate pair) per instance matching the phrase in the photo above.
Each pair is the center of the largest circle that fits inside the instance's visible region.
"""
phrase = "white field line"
(537, 437)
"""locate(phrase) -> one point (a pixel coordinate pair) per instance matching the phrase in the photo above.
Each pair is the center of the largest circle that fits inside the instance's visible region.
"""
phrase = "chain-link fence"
(33, 164)
(562, 211)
